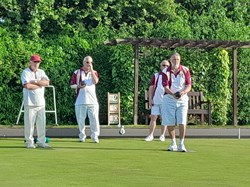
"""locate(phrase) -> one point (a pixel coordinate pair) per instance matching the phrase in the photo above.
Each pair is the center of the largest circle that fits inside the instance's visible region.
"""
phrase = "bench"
(196, 107)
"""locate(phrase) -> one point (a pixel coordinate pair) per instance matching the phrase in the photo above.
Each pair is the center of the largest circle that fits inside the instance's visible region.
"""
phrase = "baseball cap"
(35, 58)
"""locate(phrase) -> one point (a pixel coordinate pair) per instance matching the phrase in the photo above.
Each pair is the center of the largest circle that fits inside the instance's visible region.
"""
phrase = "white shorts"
(174, 111)
(156, 109)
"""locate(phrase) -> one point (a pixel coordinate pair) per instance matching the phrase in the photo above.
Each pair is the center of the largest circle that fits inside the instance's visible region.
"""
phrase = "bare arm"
(32, 85)
(150, 96)
(168, 90)
(94, 77)
(186, 90)
(93, 74)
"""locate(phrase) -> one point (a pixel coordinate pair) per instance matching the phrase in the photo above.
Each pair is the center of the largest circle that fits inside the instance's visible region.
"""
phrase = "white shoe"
(43, 145)
(172, 147)
(182, 148)
(96, 140)
(149, 138)
(83, 139)
(162, 138)
(30, 146)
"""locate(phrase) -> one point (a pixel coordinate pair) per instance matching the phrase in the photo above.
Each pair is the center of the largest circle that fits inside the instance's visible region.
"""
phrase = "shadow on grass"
(95, 148)
(80, 147)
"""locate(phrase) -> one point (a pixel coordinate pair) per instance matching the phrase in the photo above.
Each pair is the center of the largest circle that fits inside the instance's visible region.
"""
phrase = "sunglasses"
(164, 65)
(36, 62)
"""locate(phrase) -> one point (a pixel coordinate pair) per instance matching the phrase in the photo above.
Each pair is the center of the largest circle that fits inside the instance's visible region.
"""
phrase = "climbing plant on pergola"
(175, 43)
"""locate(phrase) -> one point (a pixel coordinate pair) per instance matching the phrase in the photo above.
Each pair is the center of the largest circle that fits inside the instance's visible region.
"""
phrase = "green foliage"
(63, 32)
(122, 79)
(219, 87)
(243, 86)
(14, 52)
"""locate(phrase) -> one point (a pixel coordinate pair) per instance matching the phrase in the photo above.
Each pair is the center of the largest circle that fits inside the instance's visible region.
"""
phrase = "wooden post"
(235, 87)
(136, 74)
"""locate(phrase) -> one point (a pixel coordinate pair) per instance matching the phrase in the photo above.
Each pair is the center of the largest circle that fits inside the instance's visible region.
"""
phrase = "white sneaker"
(43, 145)
(30, 146)
(149, 138)
(172, 147)
(162, 138)
(96, 140)
(182, 148)
(83, 139)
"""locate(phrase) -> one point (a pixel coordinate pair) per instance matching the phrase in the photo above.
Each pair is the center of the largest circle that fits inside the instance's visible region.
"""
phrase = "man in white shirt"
(34, 80)
(84, 81)
(177, 83)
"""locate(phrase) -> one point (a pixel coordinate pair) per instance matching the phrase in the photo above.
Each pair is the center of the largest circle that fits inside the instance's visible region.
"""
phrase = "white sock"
(181, 141)
(174, 141)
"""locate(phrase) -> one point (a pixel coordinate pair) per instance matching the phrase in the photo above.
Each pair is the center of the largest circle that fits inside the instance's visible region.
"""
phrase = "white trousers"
(34, 115)
(93, 113)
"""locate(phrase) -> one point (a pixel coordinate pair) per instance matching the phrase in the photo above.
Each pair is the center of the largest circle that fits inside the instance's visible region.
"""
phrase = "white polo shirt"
(177, 82)
(159, 89)
(33, 97)
(86, 95)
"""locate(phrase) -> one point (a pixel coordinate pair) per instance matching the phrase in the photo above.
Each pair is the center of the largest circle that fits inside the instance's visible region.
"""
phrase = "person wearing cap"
(83, 81)
(34, 81)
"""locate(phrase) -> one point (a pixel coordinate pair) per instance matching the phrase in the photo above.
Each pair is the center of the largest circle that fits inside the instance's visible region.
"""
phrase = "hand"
(33, 82)
(90, 65)
(81, 85)
(150, 104)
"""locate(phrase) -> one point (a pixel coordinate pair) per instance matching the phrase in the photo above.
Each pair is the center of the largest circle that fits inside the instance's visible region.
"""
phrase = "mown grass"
(123, 162)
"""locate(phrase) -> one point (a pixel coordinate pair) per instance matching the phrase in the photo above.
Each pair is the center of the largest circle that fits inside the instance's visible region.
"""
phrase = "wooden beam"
(235, 87)
(136, 82)
(173, 43)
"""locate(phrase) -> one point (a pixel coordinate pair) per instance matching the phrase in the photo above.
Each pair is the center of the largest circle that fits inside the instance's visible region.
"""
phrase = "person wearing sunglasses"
(83, 81)
(155, 93)
(34, 81)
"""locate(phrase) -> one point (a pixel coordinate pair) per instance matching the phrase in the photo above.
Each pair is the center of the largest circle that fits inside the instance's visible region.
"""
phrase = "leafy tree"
(64, 31)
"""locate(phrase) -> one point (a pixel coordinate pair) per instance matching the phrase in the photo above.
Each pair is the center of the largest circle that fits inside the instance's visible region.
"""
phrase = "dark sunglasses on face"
(164, 65)
(36, 62)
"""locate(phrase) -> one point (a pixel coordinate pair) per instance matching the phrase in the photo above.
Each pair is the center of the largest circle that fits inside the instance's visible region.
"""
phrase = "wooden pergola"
(175, 43)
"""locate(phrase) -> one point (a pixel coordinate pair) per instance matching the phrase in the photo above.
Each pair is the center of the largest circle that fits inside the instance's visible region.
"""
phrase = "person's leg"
(81, 111)
(163, 132)
(93, 114)
(41, 124)
(29, 124)
(168, 119)
(163, 127)
(173, 145)
(171, 132)
(152, 126)
(155, 112)
(182, 131)
(181, 115)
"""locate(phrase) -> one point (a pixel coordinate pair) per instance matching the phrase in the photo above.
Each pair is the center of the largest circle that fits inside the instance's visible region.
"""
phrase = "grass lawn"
(123, 162)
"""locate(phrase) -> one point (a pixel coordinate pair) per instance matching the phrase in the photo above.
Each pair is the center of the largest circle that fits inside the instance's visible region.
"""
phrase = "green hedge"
(64, 32)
